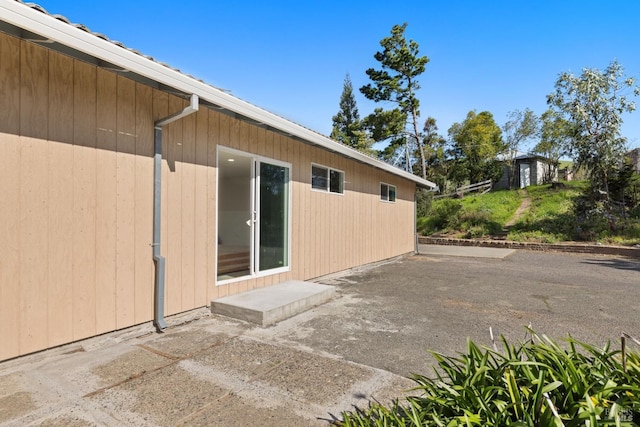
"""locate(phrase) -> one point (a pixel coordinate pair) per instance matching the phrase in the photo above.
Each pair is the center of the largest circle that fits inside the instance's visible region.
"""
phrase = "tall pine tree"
(397, 82)
(347, 126)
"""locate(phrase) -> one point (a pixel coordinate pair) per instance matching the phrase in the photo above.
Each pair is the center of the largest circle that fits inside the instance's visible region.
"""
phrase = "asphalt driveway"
(210, 370)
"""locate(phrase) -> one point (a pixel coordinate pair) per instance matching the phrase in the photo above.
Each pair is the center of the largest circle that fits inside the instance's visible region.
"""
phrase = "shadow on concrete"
(618, 263)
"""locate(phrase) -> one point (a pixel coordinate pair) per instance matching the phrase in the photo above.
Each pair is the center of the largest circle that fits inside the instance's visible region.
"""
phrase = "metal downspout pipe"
(158, 259)
(415, 220)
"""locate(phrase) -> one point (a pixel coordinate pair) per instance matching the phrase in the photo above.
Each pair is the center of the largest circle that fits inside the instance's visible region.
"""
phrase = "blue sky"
(291, 57)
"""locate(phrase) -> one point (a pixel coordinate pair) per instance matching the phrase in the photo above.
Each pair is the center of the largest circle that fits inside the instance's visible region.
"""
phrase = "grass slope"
(549, 219)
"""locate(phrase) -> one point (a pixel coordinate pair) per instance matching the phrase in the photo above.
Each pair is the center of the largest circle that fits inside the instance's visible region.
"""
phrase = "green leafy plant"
(472, 216)
(536, 383)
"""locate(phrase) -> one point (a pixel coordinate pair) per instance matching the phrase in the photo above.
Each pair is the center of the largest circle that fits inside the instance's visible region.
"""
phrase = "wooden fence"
(482, 187)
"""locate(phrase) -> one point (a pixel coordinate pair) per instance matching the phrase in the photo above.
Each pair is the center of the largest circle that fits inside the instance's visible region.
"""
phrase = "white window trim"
(388, 187)
(328, 188)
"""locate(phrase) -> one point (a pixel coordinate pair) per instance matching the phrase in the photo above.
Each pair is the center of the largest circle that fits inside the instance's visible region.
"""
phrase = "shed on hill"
(530, 169)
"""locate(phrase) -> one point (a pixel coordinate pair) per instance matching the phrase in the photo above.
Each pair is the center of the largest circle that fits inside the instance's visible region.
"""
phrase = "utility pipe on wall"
(158, 259)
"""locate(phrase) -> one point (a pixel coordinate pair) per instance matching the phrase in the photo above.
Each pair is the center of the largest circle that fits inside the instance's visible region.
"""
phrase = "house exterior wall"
(76, 192)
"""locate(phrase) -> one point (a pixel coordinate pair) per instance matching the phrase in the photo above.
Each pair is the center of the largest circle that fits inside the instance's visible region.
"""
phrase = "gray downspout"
(158, 259)
(415, 218)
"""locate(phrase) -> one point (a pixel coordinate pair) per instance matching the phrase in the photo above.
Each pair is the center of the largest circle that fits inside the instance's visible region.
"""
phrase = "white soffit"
(28, 18)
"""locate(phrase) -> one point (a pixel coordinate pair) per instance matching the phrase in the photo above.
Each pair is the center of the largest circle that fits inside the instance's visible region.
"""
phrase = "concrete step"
(266, 306)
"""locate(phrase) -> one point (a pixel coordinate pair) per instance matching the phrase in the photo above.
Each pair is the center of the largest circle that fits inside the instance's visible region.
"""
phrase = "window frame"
(386, 197)
(328, 187)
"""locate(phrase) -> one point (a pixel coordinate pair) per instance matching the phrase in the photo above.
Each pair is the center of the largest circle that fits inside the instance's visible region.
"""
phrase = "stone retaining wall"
(560, 247)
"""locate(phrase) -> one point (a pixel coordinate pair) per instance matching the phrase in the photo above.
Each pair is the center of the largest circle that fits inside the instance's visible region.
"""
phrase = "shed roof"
(32, 22)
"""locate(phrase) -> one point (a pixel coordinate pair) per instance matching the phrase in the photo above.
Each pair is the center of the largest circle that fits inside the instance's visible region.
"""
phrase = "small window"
(327, 179)
(387, 192)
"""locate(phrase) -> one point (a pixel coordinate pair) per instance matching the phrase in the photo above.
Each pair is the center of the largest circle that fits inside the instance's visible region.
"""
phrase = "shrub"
(445, 214)
(424, 200)
(537, 383)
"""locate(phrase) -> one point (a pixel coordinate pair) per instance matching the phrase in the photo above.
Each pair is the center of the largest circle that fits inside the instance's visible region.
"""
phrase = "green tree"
(556, 135)
(435, 154)
(476, 144)
(397, 82)
(594, 103)
(348, 129)
(521, 126)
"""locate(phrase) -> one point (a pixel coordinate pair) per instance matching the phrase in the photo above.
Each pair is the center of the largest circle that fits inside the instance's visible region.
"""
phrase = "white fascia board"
(27, 18)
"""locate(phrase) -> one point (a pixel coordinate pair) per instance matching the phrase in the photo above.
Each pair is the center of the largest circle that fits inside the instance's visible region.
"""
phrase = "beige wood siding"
(76, 192)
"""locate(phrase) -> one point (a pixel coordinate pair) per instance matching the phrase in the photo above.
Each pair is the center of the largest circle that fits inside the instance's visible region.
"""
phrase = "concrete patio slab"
(465, 251)
(267, 306)
(356, 349)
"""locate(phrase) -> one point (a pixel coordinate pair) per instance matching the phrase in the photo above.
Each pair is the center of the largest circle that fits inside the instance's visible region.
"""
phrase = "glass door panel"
(273, 217)
(235, 213)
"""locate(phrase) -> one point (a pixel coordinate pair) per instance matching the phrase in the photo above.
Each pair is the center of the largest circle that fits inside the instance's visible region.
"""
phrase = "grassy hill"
(545, 215)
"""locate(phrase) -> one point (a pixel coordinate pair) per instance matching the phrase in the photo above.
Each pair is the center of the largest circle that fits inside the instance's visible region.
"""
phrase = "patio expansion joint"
(173, 360)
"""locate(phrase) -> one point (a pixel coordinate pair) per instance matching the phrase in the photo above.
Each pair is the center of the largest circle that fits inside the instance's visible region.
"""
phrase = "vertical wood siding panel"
(234, 139)
(60, 98)
(144, 149)
(293, 158)
(336, 219)
(309, 212)
(342, 217)
(9, 84)
(240, 136)
(201, 244)
(323, 228)
(361, 210)
(305, 201)
(60, 184)
(34, 245)
(354, 213)
(264, 141)
(34, 70)
(347, 216)
(106, 192)
(10, 279)
(160, 111)
(374, 208)
(248, 139)
(303, 208)
(373, 183)
(214, 126)
(370, 234)
(355, 207)
(34, 170)
(311, 217)
(304, 198)
(173, 138)
(329, 227)
(84, 201)
(318, 237)
(188, 211)
(125, 204)
(311, 234)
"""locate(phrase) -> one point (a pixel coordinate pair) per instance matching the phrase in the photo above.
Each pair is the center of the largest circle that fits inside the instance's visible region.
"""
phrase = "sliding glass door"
(273, 224)
(253, 215)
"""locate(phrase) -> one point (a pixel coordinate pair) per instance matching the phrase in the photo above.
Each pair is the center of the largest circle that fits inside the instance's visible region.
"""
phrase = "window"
(387, 192)
(327, 179)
